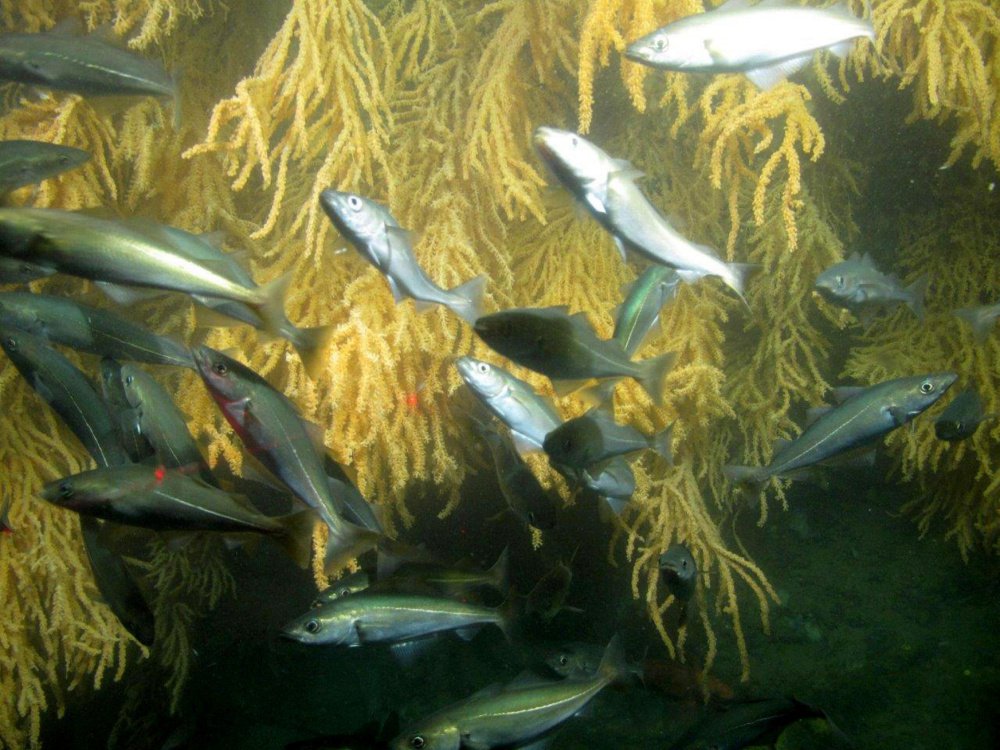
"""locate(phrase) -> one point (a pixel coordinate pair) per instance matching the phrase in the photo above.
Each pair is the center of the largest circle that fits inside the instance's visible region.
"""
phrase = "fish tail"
(508, 614)
(738, 275)
(347, 542)
(297, 536)
(981, 325)
(470, 305)
(272, 308)
(311, 344)
(660, 443)
(655, 373)
(915, 296)
(613, 667)
(744, 475)
(498, 572)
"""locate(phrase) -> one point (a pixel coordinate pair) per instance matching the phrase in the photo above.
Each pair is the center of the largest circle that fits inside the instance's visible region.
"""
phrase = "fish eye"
(574, 142)
(659, 44)
(11, 343)
(220, 368)
(312, 626)
(926, 387)
(563, 661)
(417, 741)
(354, 202)
(344, 592)
(129, 379)
(839, 280)
(65, 490)
(483, 368)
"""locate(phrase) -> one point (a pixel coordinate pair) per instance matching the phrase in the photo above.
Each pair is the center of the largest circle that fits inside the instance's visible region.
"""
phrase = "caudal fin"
(272, 309)
(660, 444)
(469, 305)
(654, 375)
(508, 614)
(737, 277)
(311, 345)
(297, 535)
(613, 667)
(981, 324)
(498, 573)
(915, 296)
(346, 543)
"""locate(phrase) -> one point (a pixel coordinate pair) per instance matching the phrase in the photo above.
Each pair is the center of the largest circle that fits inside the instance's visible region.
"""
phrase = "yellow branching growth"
(949, 52)
(956, 248)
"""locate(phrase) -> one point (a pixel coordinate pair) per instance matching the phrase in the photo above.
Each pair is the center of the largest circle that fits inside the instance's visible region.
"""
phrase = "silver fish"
(111, 251)
(579, 661)
(962, 417)
(982, 319)
(767, 41)
(564, 347)
(859, 286)
(376, 617)
(607, 187)
(349, 584)
(864, 416)
(89, 329)
(529, 417)
(380, 240)
(679, 570)
(20, 271)
(614, 482)
(85, 65)
(640, 311)
(29, 162)
(514, 714)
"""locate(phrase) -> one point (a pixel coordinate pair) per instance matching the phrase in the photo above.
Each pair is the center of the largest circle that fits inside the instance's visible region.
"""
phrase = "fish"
(19, 271)
(349, 584)
(114, 252)
(607, 188)
(511, 715)
(449, 580)
(982, 319)
(595, 437)
(767, 41)
(679, 571)
(561, 346)
(70, 394)
(863, 416)
(379, 239)
(275, 434)
(165, 499)
(640, 311)
(548, 597)
(614, 482)
(747, 724)
(528, 416)
(580, 661)
(5, 527)
(393, 617)
(122, 414)
(309, 343)
(29, 162)
(87, 65)
(962, 417)
(89, 329)
(524, 495)
(162, 424)
(860, 287)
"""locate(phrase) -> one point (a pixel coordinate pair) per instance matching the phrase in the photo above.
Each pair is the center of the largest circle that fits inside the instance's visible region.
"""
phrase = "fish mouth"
(634, 53)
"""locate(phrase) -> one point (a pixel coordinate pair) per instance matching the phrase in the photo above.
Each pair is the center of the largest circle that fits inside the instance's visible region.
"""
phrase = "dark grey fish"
(29, 162)
(89, 329)
(450, 580)
(117, 253)
(122, 414)
(564, 347)
(529, 417)
(72, 397)
(859, 286)
(679, 571)
(524, 495)
(85, 65)
(19, 271)
(548, 597)
(165, 499)
(962, 417)
(391, 617)
(161, 423)
(748, 724)
(274, 433)
(376, 235)
(595, 437)
(865, 415)
(647, 295)
(510, 716)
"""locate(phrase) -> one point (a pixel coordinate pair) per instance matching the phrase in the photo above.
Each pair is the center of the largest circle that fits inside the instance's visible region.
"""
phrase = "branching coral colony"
(428, 106)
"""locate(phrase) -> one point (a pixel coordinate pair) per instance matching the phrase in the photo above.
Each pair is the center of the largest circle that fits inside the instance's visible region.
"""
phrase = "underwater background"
(873, 596)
